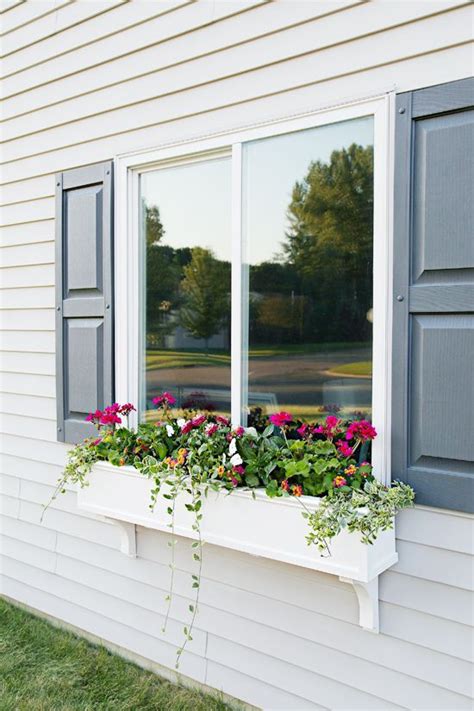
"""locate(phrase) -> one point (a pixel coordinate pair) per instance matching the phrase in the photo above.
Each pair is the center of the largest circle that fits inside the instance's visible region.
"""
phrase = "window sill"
(270, 528)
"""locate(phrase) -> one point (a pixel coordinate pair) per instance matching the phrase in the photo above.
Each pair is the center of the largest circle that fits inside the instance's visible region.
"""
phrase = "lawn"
(43, 668)
(359, 368)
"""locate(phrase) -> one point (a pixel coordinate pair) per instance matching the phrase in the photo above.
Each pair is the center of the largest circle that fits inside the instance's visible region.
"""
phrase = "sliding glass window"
(186, 248)
(308, 245)
(304, 203)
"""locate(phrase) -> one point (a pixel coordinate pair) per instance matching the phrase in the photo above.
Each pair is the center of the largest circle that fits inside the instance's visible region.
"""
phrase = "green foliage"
(43, 668)
(367, 512)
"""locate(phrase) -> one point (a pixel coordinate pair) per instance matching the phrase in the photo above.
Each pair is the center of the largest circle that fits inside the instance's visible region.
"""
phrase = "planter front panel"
(272, 528)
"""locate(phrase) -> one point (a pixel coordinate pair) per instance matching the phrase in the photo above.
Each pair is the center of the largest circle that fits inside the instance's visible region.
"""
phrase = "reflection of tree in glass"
(205, 289)
(330, 241)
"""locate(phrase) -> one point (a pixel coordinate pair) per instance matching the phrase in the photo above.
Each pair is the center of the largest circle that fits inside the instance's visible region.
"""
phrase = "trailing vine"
(187, 457)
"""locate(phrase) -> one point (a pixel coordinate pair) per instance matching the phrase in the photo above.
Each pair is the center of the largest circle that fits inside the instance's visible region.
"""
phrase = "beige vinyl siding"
(83, 82)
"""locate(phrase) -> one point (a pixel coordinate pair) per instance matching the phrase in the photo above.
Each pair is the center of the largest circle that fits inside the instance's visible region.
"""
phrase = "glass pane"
(187, 245)
(308, 224)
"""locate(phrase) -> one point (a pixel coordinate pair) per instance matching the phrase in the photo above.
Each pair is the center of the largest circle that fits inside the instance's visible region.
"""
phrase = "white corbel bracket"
(368, 597)
(128, 537)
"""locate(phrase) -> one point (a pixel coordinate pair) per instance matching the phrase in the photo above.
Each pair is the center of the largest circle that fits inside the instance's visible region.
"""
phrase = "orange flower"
(350, 470)
(297, 489)
(220, 470)
(339, 481)
(285, 485)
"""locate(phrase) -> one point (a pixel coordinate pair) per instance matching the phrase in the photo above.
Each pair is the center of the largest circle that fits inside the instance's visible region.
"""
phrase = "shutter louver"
(84, 297)
(433, 336)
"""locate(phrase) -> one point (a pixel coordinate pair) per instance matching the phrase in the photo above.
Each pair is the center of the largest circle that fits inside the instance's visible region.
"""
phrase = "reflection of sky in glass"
(195, 204)
(273, 165)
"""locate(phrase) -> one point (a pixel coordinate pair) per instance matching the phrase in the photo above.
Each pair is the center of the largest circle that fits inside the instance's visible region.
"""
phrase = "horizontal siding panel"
(35, 298)
(439, 529)
(173, 46)
(24, 384)
(34, 363)
(211, 90)
(311, 37)
(418, 70)
(26, 553)
(34, 275)
(27, 341)
(9, 485)
(23, 255)
(26, 319)
(246, 688)
(30, 40)
(25, 212)
(297, 681)
(78, 526)
(284, 645)
(35, 427)
(432, 598)
(28, 533)
(28, 189)
(26, 12)
(48, 452)
(186, 18)
(435, 564)
(27, 233)
(427, 631)
(43, 408)
(9, 505)
(49, 595)
(32, 470)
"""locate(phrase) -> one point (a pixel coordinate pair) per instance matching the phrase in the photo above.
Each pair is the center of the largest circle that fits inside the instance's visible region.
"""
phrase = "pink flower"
(297, 490)
(165, 399)
(361, 430)
(303, 429)
(211, 429)
(339, 481)
(284, 485)
(222, 420)
(187, 427)
(239, 469)
(229, 437)
(96, 442)
(234, 481)
(330, 429)
(280, 419)
(94, 416)
(239, 431)
(343, 448)
(196, 421)
(127, 408)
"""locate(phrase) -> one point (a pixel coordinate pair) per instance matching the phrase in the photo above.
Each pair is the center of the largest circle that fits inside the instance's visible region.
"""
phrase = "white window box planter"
(260, 526)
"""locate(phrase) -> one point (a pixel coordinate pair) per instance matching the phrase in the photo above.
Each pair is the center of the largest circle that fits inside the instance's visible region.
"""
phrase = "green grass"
(43, 668)
(363, 367)
(160, 358)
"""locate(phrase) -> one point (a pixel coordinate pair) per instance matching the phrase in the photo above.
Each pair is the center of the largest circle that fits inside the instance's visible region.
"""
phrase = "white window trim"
(127, 236)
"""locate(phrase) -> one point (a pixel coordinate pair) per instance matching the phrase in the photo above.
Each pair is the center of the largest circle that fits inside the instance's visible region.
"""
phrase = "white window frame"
(127, 250)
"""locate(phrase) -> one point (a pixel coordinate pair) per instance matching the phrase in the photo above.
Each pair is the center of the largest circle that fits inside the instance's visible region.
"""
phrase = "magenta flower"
(127, 408)
(343, 448)
(187, 427)
(330, 429)
(211, 429)
(280, 419)
(303, 429)
(222, 420)
(94, 416)
(239, 469)
(165, 399)
(196, 421)
(361, 430)
(239, 431)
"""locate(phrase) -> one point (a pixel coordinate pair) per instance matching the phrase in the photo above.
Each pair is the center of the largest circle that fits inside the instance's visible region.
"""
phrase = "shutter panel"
(433, 321)
(84, 297)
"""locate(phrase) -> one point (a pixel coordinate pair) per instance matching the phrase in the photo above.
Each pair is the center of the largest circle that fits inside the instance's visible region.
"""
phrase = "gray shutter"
(433, 323)
(84, 297)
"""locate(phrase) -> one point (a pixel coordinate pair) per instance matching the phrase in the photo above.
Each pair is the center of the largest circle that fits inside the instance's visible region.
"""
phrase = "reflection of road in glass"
(301, 383)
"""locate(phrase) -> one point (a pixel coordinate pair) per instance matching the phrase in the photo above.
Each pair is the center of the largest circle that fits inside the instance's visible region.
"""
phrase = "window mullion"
(237, 370)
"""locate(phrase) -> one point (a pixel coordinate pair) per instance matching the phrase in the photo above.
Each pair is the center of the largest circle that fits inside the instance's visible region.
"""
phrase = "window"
(186, 246)
(256, 267)
(308, 230)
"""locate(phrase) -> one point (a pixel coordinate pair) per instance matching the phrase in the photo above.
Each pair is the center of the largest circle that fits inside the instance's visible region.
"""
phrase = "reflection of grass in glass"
(315, 412)
(157, 359)
(360, 368)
